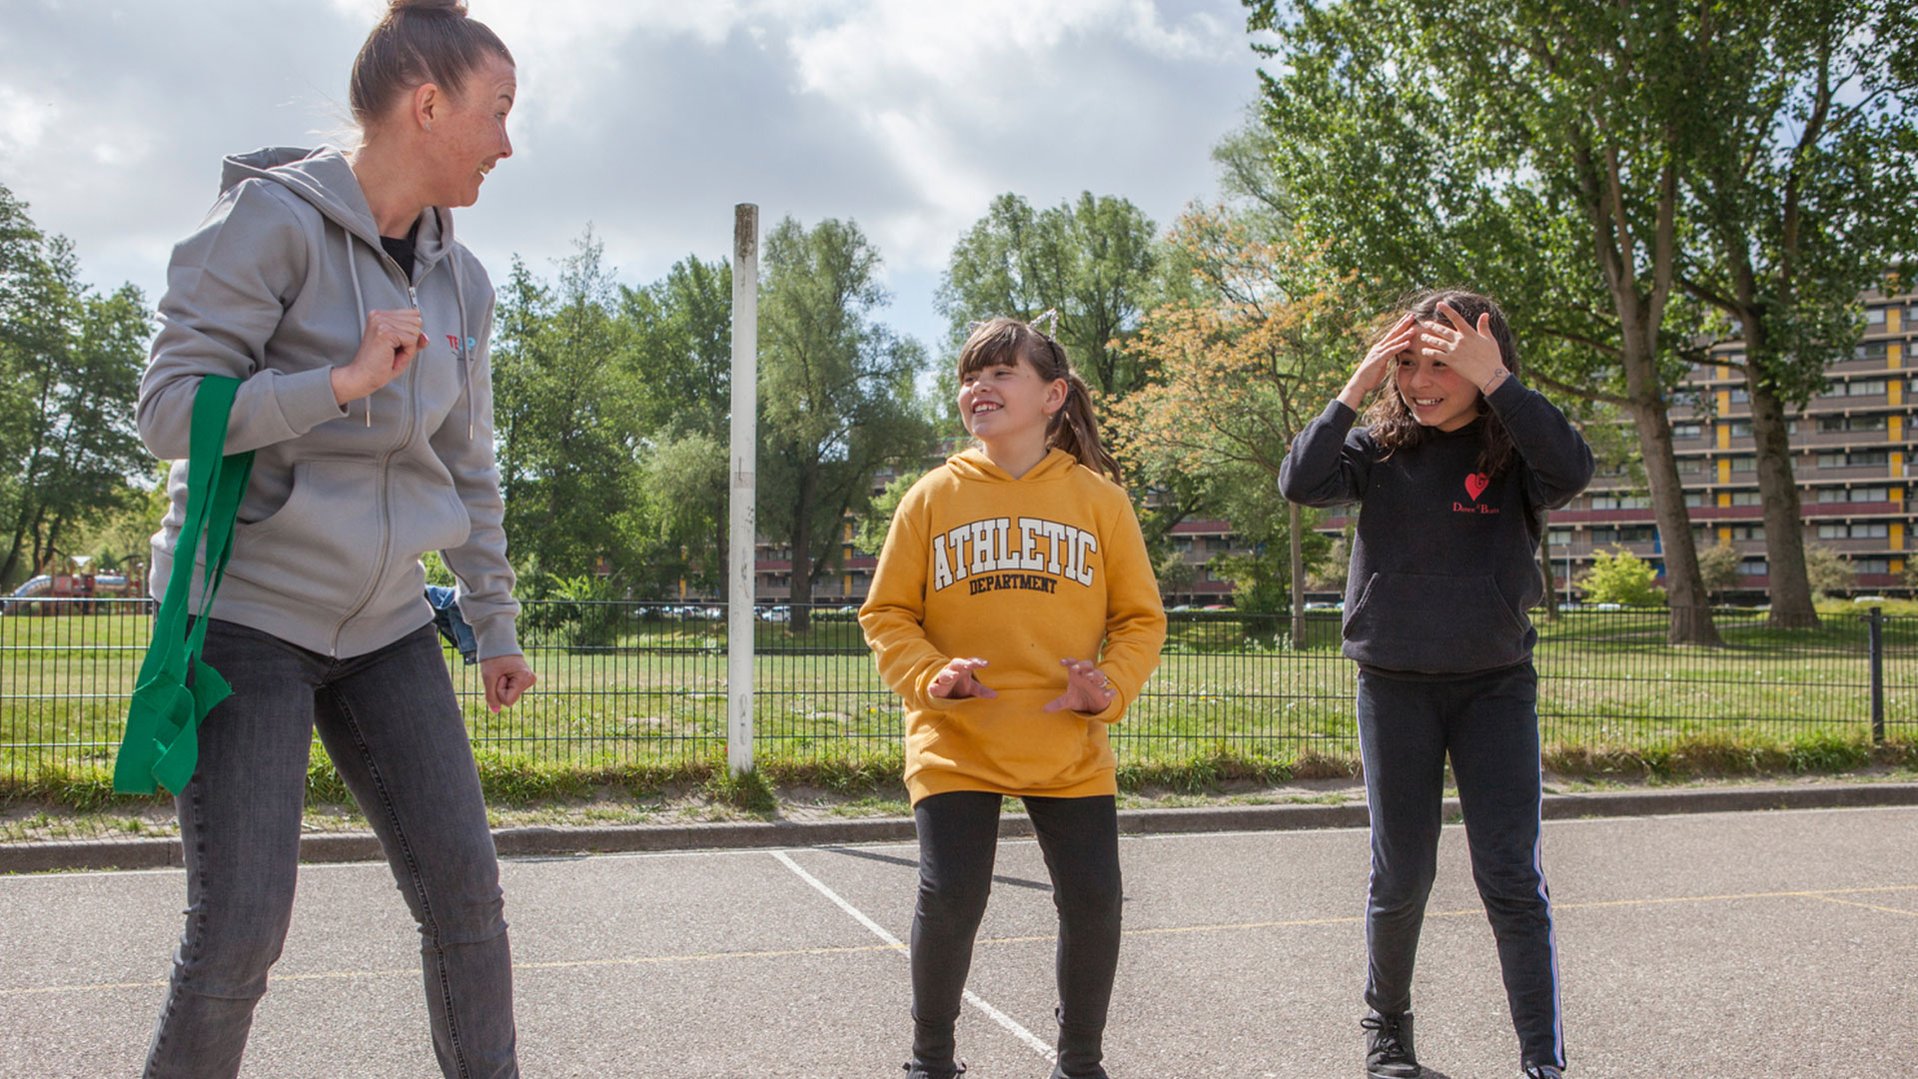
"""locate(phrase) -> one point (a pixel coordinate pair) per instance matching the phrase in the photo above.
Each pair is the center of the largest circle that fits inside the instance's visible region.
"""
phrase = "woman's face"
(468, 136)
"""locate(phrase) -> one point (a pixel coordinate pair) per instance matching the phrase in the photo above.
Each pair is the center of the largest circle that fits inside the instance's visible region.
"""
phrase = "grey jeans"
(393, 728)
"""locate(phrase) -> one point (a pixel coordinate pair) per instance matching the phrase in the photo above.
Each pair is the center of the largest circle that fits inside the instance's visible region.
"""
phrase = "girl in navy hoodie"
(1453, 474)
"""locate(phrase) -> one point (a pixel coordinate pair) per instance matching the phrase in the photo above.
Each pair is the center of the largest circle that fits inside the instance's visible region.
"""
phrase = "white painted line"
(858, 915)
(1005, 1021)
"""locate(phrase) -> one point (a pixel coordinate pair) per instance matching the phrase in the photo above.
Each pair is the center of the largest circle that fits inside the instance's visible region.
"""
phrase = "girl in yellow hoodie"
(1015, 613)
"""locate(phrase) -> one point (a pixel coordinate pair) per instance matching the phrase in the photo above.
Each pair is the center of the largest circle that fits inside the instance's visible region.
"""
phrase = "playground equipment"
(29, 597)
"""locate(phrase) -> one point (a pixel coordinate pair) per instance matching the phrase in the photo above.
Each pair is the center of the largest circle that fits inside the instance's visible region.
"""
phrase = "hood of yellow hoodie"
(972, 463)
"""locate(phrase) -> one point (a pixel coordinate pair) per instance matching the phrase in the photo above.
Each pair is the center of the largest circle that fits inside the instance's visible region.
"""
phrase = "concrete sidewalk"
(149, 853)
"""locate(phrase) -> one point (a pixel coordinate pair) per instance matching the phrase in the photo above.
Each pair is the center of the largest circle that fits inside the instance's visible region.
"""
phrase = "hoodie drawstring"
(359, 301)
(464, 354)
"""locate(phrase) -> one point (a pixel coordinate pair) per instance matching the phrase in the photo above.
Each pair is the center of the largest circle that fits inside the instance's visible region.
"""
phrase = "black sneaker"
(1541, 1071)
(1098, 1072)
(1388, 1047)
(915, 1070)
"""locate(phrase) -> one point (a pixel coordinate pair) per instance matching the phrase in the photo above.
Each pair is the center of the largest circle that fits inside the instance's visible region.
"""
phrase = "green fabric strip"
(176, 689)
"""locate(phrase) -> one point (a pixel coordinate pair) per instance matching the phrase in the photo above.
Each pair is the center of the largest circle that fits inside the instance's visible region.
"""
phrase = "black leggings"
(958, 837)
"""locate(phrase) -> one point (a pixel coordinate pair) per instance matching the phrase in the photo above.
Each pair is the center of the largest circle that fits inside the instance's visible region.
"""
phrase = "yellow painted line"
(1869, 906)
(1832, 895)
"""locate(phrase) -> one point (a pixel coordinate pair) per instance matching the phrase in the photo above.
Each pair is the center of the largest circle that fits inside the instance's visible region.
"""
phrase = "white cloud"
(649, 118)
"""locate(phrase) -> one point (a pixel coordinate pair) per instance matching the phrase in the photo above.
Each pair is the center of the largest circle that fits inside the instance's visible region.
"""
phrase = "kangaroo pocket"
(1434, 624)
(1012, 741)
(339, 530)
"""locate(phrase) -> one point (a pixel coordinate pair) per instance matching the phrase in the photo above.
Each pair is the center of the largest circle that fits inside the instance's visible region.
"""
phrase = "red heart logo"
(1476, 483)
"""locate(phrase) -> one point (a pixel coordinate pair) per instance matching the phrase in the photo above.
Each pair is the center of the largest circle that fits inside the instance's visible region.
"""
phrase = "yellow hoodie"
(1022, 573)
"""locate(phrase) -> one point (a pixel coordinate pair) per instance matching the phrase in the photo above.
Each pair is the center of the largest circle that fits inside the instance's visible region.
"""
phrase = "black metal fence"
(634, 683)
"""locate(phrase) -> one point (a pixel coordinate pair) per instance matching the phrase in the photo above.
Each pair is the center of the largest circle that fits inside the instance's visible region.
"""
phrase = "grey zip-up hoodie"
(274, 289)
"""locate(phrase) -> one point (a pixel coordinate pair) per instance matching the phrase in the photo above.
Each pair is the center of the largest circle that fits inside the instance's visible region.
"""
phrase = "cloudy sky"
(647, 119)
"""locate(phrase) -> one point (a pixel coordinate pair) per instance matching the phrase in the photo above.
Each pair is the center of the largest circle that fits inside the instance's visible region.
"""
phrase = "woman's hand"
(505, 678)
(955, 680)
(1086, 689)
(387, 348)
(1377, 365)
(1469, 350)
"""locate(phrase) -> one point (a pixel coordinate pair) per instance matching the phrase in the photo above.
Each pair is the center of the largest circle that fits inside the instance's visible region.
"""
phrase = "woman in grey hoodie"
(331, 285)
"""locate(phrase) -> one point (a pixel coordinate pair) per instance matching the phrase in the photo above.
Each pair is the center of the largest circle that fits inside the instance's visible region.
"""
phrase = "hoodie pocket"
(335, 532)
(1434, 624)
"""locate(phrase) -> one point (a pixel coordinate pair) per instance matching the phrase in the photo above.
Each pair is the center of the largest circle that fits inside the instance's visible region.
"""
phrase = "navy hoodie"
(1445, 562)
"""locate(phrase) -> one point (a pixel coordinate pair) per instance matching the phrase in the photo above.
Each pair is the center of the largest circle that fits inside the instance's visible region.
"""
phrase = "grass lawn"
(1227, 702)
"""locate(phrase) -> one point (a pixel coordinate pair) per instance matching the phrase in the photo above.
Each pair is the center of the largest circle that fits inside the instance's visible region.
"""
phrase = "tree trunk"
(1691, 612)
(1790, 584)
(1296, 543)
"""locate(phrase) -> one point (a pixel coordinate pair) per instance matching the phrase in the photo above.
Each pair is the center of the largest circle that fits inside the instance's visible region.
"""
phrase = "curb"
(547, 842)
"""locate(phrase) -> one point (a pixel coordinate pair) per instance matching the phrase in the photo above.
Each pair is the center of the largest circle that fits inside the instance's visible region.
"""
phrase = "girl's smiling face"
(1008, 401)
(1437, 395)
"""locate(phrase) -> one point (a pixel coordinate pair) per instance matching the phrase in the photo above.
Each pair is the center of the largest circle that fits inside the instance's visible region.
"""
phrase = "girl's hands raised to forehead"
(1377, 365)
(1467, 349)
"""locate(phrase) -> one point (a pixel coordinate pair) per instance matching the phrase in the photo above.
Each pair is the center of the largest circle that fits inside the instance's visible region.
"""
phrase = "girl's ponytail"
(1075, 429)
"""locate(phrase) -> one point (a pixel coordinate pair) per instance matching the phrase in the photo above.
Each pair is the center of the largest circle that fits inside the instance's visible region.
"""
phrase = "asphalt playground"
(1778, 943)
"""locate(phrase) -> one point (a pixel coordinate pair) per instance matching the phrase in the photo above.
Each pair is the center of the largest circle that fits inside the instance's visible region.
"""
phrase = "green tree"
(836, 393)
(569, 414)
(1718, 567)
(1541, 157)
(1267, 334)
(1619, 576)
(869, 533)
(1272, 529)
(1808, 172)
(1830, 573)
(1092, 260)
(682, 327)
(70, 363)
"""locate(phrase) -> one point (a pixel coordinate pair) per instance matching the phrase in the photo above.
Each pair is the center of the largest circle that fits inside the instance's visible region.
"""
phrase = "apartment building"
(1851, 458)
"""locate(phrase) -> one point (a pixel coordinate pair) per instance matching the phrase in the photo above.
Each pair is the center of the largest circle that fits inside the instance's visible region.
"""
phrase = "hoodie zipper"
(386, 461)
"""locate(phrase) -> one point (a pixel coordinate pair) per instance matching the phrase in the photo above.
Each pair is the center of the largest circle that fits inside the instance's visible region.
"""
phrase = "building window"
(1829, 424)
(1854, 459)
(1871, 350)
(1751, 567)
(1863, 387)
(1739, 395)
(1744, 464)
(1688, 430)
(1747, 532)
(1744, 498)
(1859, 530)
(1694, 499)
(1620, 502)
(1855, 494)
(1874, 319)
(1604, 534)
(1871, 565)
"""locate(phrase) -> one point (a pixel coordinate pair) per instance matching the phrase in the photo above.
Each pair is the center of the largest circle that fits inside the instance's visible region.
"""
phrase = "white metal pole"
(745, 404)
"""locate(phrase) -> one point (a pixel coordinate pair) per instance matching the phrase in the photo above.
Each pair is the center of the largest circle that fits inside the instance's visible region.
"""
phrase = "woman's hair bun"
(448, 7)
